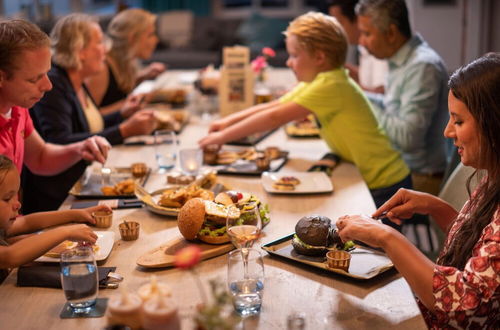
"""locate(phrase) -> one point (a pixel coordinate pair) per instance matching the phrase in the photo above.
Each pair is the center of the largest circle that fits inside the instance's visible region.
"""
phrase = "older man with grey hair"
(414, 109)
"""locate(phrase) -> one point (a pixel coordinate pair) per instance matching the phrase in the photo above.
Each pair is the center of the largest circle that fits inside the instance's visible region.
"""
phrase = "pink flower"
(258, 64)
(267, 51)
(188, 257)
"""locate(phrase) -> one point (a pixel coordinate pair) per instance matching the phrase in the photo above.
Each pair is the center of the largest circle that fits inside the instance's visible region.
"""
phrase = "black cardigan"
(60, 119)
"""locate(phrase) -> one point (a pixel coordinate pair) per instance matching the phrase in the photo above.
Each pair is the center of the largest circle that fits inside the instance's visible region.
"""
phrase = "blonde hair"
(317, 31)
(17, 36)
(124, 31)
(71, 34)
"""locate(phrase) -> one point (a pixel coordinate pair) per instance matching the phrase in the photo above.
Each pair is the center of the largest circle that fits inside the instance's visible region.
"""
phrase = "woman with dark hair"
(461, 289)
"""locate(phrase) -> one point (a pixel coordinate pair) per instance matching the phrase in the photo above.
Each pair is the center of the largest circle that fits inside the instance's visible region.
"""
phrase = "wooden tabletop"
(328, 301)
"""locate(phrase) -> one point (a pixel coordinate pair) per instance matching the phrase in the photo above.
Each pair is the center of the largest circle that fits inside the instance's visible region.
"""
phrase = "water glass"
(191, 160)
(79, 278)
(246, 289)
(165, 149)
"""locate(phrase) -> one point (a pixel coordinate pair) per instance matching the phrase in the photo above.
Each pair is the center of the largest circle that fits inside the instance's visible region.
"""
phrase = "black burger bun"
(314, 230)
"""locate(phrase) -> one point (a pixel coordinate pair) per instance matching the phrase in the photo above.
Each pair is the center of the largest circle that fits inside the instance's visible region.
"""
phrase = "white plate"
(310, 182)
(105, 240)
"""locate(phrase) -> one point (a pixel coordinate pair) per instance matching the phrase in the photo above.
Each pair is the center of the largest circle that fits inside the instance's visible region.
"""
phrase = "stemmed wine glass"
(245, 230)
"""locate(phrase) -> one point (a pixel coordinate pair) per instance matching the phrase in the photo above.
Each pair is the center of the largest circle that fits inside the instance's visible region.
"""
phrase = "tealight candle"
(160, 313)
(125, 309)
(154, 288)
(191, 160)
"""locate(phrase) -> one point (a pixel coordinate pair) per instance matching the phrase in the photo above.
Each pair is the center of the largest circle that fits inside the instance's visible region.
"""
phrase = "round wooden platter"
(164, 255)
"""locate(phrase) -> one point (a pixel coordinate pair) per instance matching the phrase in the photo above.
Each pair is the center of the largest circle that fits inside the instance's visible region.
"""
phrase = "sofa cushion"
(174, 28)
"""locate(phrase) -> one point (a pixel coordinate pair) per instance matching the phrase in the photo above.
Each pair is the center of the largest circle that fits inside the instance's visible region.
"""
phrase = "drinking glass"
(79, 278)
(191, 160)
(244, 231)
(246, 290)
(165, 149)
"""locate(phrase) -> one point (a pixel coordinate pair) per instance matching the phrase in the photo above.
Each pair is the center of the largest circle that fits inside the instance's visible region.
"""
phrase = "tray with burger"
(119, 183)
(246, 161)
(204, 222)
(314, 237)
(102, 248)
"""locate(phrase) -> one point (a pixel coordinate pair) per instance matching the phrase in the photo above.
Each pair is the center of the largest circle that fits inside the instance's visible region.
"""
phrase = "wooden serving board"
(164, 255)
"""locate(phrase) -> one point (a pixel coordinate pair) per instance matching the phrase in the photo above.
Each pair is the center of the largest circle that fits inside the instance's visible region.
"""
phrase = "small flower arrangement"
(259, 64)
(211, 315)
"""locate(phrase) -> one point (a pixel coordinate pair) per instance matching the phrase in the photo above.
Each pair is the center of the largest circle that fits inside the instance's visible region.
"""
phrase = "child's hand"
(80, 232)
(216, 138)
(86, 214)
(218, 125)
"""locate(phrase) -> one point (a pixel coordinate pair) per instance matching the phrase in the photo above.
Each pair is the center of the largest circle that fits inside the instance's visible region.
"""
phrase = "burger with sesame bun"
(205, 220)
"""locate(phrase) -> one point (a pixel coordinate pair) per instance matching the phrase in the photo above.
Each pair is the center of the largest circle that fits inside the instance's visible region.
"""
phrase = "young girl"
(28, 249)
(461, 290)
(317, 47)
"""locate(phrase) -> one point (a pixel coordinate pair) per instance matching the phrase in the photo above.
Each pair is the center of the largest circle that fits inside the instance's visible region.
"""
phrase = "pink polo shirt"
(13, 132)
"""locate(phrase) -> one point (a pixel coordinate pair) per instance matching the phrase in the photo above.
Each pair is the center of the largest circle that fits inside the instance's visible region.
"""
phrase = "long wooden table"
(383, 302)
(328, 301)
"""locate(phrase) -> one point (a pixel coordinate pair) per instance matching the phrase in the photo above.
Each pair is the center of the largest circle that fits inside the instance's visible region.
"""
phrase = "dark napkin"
(326, 164)
(113, 203)
(50, 276)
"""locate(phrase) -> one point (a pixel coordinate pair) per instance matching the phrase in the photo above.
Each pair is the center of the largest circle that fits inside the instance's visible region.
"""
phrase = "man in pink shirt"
(24, 63)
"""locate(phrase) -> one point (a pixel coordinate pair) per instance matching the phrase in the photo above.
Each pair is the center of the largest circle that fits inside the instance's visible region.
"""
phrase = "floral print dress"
(469, 298)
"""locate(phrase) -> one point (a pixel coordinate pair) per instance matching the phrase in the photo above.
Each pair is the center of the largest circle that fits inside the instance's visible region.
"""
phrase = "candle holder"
(191, 160)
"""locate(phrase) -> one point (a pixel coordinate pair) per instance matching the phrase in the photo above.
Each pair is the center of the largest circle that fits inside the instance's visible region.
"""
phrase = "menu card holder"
(236, 81)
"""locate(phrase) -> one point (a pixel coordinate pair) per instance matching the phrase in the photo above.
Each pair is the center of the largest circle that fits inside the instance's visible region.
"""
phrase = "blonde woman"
(68, 113)
(133, 37)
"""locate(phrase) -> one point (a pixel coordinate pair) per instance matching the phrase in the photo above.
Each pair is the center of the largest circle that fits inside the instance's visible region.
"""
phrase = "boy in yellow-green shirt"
(317, 48)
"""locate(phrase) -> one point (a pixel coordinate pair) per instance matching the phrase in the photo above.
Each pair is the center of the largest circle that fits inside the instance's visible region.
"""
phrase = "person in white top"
(369, 72)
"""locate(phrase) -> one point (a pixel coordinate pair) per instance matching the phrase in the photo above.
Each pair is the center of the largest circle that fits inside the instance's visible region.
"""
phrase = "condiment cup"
(210, 154)
(138, 169)
(338, 259)
(103, 219)
(263, 163)
(129, 230)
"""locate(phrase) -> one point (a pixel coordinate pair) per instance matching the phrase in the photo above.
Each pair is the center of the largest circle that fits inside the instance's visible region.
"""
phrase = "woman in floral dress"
(460, 290)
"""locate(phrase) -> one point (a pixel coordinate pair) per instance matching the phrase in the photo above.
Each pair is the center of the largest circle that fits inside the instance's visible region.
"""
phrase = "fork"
(143, 195)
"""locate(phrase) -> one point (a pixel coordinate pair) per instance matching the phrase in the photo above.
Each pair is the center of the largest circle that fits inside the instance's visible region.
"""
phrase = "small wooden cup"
(129, 230)
(263, 163)
(103, 219)
(139, 169)
(338, 259)
(210, 154)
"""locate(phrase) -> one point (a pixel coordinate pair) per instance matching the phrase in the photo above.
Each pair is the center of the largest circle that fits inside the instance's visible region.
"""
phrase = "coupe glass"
(244, 231)
(79, 278)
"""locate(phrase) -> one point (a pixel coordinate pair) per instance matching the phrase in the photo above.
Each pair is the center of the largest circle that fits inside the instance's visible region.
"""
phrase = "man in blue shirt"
(414, 109)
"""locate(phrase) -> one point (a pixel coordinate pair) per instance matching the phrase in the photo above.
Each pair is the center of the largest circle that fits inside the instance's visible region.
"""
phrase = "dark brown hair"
(346, 7)
(476, 85)
(17, 36)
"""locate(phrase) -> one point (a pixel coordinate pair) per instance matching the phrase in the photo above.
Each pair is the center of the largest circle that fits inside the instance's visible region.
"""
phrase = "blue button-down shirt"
(414, 109)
